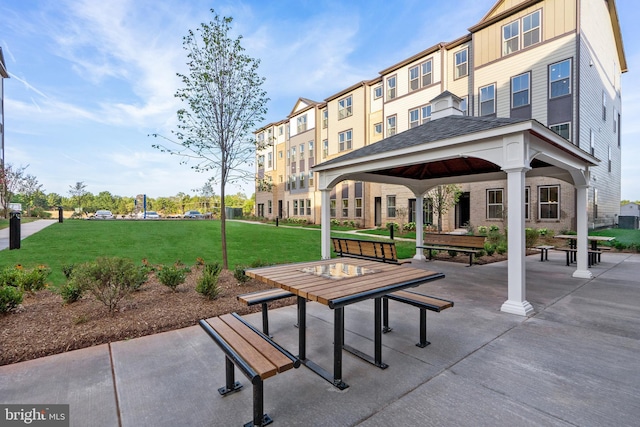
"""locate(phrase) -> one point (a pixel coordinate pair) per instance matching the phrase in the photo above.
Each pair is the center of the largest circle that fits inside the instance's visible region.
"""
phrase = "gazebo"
(453, 148)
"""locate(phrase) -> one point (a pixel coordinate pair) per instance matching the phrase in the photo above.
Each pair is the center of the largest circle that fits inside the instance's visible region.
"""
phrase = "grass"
(626, 237)
(4, 223)
(165, 242)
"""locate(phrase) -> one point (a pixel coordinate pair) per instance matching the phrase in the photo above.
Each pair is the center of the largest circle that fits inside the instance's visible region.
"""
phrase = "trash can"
(14, 230)
(59, 213)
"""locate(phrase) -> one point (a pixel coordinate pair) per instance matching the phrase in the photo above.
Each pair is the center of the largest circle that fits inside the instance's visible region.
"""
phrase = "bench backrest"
(377, 251)
(466, 241)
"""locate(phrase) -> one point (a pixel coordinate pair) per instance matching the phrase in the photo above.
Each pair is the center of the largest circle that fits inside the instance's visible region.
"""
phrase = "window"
(344, 140)
(377, 128)
(325, 148)
(261, 162)
(414, 78)
(463, 106)
(325, 118)
(310, 148)
(562, 129)
(548, 202)
(261, 137)
(526, 204)
(345, 108)
(293, 154)
(308, 206)
(292, 180)
(427, 210)
(358, 212)
(270, 160)
(595, 203)
(488, 100)
(295, 207)
(494, 204)
(302, 123)
(520, 90)
(426, 73)
(391, 87)
(260, 209)
(592, 142)
(609, 157)
(269, 207)
(310, 179)
(510, 38)
(345, 208)
(414, 118)
(461, 64)
(301, 206)
(332, 208)
(560, 79)
(531, 29)
(280, 130)
(615, 120)
(426, 114)
(377, 92)
(391, 206)
(604, 106)
(302, 184)
(391, 125)
(302, 151)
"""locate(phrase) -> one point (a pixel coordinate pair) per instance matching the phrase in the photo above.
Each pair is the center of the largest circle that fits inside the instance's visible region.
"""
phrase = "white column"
(517, 287)
(582, 230)
(419, 227)
(325, 223)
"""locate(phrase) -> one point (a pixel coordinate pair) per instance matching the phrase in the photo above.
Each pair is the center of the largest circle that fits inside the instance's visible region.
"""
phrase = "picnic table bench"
(263, 297)
(593, 255)
(366, 249)
(453, 242)
(423, 302)
(254, 353)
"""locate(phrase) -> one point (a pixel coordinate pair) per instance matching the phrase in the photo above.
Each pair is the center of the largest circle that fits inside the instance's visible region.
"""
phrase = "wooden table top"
(342, 281)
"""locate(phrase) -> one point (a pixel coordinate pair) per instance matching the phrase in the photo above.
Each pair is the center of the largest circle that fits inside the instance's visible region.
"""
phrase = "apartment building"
(556, 61)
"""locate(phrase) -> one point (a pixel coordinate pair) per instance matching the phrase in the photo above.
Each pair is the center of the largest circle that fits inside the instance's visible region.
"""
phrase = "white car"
(103, 214)
(150, 215)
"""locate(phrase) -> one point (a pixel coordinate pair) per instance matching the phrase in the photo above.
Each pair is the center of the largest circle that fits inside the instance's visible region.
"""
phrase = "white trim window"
(332, 208)
(309, 207)
(295, 206)
(391, 88)
(325, 148)
(511, 38)
(325, 118)
(592, 142)
(426, 69)
(391, 125)
(531, 29)
(520, 90)
(494, 203)
(345, 208)
(345, 108)
(527, 203)
(377, 91)
(488, 100)
(560, 79)
(310, 179)
(549, 202)
(358, 211)
(425, 110)
(530, 35)
(377, 129)
(464, 105)
(461, 63)
(562, 129)
(269, 207)
(301, 123)
(391, 206)
(414, 118)
(345, 140)
(414, 78)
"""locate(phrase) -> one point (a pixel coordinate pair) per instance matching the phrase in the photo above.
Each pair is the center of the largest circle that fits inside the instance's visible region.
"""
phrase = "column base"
(419, 257)
(515, 307)
(582, 274)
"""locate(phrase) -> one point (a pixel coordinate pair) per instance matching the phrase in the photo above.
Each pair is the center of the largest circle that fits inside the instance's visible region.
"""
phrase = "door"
(279, 208)
(378, 211)
(463, 210)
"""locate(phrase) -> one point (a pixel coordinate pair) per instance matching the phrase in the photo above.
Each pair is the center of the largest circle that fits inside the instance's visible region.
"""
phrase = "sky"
(91, 80)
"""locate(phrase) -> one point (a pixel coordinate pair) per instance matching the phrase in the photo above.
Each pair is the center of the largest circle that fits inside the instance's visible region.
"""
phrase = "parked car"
(150, 215)
(193, 214)
(103, 214)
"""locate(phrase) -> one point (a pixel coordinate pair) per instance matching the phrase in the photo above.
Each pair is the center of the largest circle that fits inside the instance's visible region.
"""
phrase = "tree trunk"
(223, 221)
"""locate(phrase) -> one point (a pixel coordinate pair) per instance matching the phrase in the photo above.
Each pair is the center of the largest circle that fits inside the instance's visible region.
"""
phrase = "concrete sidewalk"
(575, 362)
(26, 230)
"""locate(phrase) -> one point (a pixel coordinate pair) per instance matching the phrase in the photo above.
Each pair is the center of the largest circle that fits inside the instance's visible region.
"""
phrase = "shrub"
(531, 237)
(109, 279)
(258, 263)
(11, 276)
(208, 283)
(480, 253)
(67, 270)
(501, 249)
(395, 226)
(452, 253)
(71, 292)
(172, 276)
(10, 298)
(34, 280)
(335, 222)
(410, 226)
(489, 248)
(239, 275)
(482, 230)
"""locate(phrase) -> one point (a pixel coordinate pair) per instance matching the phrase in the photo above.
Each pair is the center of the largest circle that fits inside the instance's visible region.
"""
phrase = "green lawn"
(4, 223)
(626, 237)
(165, 242)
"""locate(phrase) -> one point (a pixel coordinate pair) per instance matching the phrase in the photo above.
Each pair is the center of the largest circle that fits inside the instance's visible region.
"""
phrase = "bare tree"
(224, 101)
(11, 179)
(444, 197)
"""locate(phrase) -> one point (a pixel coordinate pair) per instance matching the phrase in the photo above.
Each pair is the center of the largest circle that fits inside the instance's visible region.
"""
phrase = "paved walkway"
(574, 363)
(26, 230)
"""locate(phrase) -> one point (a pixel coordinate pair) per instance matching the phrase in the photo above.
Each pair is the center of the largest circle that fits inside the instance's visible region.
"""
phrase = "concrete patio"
(575, 362)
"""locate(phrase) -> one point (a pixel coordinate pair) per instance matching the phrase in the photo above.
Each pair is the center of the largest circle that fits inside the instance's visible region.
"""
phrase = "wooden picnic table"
(573, 240)
(337, 283)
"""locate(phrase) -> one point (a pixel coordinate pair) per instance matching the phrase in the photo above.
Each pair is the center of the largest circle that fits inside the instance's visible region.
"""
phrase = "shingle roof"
(435, 130)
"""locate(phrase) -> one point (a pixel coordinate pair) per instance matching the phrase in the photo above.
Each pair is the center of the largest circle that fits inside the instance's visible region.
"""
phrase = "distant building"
(555, 61)
(630, 209)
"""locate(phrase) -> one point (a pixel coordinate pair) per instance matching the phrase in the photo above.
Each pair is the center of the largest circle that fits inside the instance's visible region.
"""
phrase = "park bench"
(593, 258)
(453, 242)
(423, 302)
(544, 251)
(264, 297)
(254, 353)
(366, 249)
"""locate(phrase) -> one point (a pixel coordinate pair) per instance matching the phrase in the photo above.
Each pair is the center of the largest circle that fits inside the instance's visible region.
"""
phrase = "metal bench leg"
(568, 255)
(265, 319)
(385, 316)
(259, 417)
(231, 385)
(470, 259)
(423, 329)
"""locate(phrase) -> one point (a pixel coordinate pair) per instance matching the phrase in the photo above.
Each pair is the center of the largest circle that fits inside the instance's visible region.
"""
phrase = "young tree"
(29, 188)
(444, 197)
(78, 192)
(11, 179)
(224, 102)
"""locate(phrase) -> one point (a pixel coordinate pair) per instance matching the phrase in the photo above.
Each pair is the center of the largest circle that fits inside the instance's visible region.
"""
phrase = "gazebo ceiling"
(459, 166)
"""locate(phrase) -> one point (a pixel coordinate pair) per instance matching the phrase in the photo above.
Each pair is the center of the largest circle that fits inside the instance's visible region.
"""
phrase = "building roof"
(3, 69)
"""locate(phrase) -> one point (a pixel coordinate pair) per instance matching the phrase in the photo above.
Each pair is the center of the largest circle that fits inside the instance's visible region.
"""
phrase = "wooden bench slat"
(266, 350)
(366, 249)
(265, 295)
(263, 367)
(436, 303)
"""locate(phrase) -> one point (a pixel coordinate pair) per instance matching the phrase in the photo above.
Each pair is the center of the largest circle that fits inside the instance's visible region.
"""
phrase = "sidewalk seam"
(115, 387)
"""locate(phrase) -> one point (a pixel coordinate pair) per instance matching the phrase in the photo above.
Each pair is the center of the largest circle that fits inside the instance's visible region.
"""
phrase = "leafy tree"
(78, 193)
(224, 101)
(444, 197)
(11, 178)
(29, 188)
